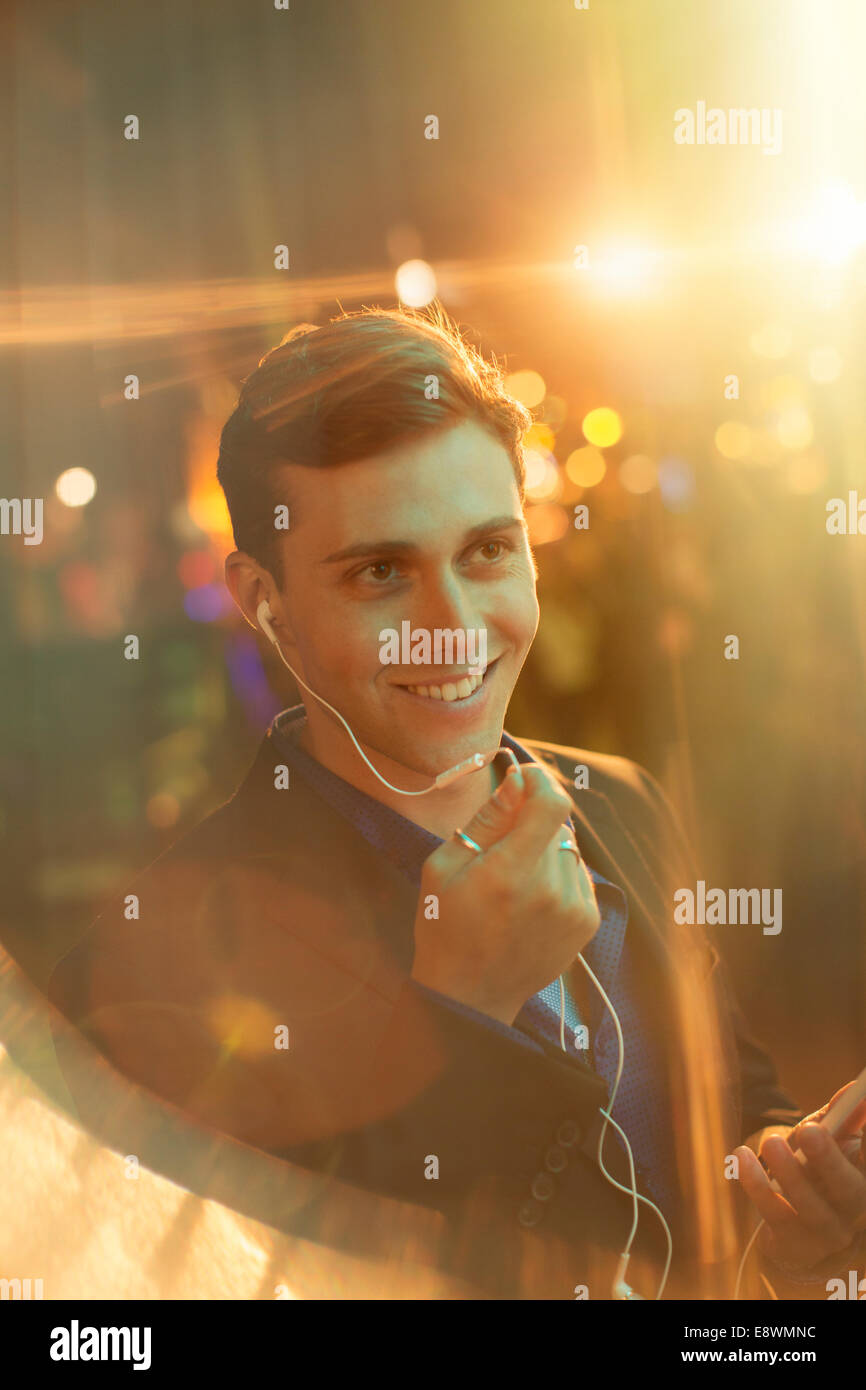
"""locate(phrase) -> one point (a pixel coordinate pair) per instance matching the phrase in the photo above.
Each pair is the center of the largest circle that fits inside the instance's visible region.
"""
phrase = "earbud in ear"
(264, 617)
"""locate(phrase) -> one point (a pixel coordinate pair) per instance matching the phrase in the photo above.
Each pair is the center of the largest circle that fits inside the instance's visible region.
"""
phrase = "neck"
(441, 811)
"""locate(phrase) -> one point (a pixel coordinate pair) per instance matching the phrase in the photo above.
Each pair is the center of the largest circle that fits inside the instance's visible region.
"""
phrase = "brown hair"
(349, 390)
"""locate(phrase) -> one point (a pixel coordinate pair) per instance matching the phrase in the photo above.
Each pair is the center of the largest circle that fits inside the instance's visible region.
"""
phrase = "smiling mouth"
(452, 691)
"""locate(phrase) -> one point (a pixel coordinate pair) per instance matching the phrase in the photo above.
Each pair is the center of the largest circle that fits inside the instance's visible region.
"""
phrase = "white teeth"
(450, 691)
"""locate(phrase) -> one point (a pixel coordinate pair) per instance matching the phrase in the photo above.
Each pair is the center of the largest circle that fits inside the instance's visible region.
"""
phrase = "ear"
(249, 585)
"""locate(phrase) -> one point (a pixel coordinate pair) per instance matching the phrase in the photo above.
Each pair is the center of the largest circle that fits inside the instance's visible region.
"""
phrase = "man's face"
(437, 539)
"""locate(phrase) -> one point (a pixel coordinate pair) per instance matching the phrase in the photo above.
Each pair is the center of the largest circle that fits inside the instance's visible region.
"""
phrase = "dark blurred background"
(707, 498)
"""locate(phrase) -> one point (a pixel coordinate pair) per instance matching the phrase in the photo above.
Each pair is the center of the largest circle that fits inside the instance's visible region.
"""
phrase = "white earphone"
(471, 764)
(620, 1289)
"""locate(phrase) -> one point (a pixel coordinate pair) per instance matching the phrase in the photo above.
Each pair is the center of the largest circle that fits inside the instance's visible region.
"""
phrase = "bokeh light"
(196, 568)
(794, 427)
(207, 507)
(415, 282)
(624, 269)
(207, 603)
(546, 522)
(781, 390)
(835, 227)
(675, 631)
(540, 436)
(554, 411)
(527, 387)
(543, 479)
(244, 1026)
(76, 487)
(638, 474)
(81, 586)
(205, 500)
(585, 466)
(162, 810)
(676, 484)
(602, 427)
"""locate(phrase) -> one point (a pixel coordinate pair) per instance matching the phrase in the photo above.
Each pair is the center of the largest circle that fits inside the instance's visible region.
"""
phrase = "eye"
(503, 548)
(373, 571)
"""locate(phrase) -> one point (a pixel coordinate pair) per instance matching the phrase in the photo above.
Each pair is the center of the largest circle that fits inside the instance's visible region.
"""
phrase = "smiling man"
(429, 989)
(432, 533)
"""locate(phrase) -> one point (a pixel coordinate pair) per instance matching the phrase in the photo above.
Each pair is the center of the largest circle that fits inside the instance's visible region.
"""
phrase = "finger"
(853, 1125)
(772, 1206)
(544, 809)
(855, 1122)
(570, 858)
(809, 1203)
(840, 1181)
(568, 836)
(574, 876)
(490, 822)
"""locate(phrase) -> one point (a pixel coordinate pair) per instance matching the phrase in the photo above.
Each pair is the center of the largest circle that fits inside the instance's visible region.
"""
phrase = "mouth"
(459, 691)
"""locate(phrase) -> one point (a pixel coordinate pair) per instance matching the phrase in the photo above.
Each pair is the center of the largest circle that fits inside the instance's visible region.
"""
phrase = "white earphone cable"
(476, 761)
(608, 1118)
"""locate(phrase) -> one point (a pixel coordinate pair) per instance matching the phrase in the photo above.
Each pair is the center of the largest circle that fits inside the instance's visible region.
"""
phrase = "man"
(358, 970)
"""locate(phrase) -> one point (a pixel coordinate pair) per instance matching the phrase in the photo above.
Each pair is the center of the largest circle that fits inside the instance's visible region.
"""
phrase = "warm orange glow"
(245, 1027)
(733, 439)
(415, 283)
(585, 466)
(805, 473)
(527, 386)
(825, 364)
(602, 427)
(76, 487)
(772, 340)
(546, 522)
(638, 474)
(205, 499)
(794, 428)
(163, 810)
(543, 480)
(539, 436)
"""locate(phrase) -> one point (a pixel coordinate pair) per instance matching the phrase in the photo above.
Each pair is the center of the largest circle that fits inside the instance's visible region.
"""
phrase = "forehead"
(443, 482)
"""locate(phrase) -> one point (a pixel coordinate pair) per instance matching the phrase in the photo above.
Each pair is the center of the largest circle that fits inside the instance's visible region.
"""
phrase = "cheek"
(350, 649)
(520, 616)
(529, 629)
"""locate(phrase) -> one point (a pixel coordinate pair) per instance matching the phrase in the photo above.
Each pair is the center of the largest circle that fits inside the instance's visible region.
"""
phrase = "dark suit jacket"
(276, 913)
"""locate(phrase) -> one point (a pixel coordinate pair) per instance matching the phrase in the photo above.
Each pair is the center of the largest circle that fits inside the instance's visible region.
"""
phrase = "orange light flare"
(205, 500)
(104, 313)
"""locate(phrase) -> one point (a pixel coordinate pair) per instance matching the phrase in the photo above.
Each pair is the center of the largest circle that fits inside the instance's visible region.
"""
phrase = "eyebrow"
(360, 549)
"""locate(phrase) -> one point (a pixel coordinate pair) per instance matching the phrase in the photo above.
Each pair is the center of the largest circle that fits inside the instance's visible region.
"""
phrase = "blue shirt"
(638, 1108)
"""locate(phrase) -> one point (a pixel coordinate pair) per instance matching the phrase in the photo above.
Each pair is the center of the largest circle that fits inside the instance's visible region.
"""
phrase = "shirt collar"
(401, 839)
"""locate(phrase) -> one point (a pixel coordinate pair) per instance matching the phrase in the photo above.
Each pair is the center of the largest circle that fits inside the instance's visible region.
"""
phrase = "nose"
(443, 601)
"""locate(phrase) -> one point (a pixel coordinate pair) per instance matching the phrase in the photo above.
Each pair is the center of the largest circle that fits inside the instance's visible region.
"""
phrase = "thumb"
(496, 817)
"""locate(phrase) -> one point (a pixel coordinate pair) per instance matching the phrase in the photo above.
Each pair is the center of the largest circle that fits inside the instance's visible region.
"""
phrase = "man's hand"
(823, 1209)
(514, 917)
